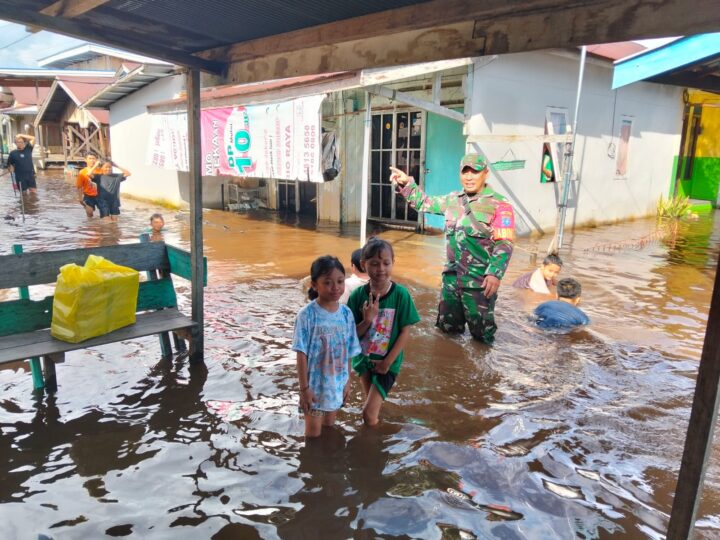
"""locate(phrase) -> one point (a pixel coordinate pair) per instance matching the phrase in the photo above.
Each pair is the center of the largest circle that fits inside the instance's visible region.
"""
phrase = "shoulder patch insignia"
(504, 222)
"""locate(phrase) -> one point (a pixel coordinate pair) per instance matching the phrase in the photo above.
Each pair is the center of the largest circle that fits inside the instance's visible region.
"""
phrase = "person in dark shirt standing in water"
(108, 185)
(20, 162)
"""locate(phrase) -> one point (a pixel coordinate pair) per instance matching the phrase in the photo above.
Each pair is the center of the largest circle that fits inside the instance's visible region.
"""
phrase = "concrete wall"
(129, 132)
(510, 97)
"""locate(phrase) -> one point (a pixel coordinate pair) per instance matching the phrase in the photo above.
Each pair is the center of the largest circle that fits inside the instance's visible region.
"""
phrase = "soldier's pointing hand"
(398, 177)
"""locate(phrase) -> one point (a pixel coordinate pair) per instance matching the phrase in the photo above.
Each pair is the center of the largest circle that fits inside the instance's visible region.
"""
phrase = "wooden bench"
(25, 323)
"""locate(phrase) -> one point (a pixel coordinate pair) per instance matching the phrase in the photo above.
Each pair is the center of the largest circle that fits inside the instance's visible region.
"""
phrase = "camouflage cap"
(475, 161)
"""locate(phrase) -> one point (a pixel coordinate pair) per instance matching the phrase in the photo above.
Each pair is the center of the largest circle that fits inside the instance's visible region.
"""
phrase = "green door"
(444, 148)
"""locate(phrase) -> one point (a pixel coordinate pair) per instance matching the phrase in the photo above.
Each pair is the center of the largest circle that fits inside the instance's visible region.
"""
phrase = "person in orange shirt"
(87, 190)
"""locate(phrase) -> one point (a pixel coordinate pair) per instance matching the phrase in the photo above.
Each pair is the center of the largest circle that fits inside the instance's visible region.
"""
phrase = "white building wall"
(129, 133)
(510, 97)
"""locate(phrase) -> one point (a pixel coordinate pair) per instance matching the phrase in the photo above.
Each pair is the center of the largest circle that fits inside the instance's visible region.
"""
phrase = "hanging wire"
(611, 145)
(14, 42)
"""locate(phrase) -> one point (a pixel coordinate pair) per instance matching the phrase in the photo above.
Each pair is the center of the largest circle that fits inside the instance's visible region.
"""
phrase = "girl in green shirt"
(384, 312)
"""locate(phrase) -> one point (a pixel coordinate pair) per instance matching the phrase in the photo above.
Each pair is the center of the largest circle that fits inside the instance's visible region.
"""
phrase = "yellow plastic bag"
(94, 299)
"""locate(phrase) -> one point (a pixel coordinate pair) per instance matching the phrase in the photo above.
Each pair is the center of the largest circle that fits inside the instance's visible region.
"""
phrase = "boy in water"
(155, 231)
(358, 278)
(563, 312)
(87, 190)
(541, 279)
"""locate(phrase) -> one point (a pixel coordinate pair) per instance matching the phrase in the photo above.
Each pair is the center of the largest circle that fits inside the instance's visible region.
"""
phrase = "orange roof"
(27, 95)
(80, 89)
(255, 89)
(615, 51)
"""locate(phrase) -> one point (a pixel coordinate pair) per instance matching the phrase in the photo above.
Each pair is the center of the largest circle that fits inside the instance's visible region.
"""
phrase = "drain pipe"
(560, 229)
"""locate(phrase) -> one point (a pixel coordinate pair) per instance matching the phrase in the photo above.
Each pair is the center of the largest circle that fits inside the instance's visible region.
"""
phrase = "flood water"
(549, 436)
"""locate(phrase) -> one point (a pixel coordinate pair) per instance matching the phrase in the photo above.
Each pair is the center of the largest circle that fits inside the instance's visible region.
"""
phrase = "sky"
(19, 48)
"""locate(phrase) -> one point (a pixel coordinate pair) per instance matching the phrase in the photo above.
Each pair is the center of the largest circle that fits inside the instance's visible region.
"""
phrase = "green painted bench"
(25, 323)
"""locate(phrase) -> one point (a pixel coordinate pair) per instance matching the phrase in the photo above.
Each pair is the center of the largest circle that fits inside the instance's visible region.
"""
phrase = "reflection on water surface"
(542, 436)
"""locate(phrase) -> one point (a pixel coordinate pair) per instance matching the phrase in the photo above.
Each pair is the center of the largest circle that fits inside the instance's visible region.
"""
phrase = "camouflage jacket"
(475, 248)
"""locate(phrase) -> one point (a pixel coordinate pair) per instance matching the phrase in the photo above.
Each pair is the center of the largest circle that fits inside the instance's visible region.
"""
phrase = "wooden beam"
(698, 442)
(113, 37)
(446, 29)
(407, 99)
(495, 137)
(709, 83)
(197, 344)
(71, 8)
(436, 88)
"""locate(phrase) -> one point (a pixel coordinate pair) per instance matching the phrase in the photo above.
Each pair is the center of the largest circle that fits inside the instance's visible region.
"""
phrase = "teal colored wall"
(444, 148)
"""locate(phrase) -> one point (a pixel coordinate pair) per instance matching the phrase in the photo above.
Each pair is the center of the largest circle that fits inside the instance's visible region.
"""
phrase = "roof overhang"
(280, 40)
(29, 110)
(691, 62)
(90, 51)
(296, 87)
(134, 80)
(44, 77)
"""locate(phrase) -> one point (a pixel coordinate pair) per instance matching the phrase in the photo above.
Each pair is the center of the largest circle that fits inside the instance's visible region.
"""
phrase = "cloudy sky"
(19, 48)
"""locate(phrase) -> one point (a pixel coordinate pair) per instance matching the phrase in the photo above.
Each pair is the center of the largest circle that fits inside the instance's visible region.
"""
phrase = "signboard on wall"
(276, 140)
(168, 147)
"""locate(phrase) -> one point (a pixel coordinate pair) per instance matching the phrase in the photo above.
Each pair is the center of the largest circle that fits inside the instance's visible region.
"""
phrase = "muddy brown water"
(543, 435)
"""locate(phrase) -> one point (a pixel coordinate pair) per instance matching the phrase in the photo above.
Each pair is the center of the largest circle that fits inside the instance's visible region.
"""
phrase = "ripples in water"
(573, 435)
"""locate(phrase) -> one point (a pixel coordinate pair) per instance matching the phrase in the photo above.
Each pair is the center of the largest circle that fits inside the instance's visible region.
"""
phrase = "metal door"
(397, 140)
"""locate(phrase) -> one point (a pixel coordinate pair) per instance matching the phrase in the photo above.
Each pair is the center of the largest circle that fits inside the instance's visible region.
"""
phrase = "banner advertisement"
(168, 148)
(276, 140)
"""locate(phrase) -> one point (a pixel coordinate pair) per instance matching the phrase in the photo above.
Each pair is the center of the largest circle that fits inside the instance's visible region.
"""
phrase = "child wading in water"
(384, 312)
(325, 340)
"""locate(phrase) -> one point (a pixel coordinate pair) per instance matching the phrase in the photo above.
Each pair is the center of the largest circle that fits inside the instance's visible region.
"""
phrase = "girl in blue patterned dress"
(325, 340)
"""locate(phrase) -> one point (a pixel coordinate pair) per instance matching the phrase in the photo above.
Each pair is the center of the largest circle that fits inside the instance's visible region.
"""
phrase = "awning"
(308, 85)
(691, 62)
(126, 85)
(23, 110)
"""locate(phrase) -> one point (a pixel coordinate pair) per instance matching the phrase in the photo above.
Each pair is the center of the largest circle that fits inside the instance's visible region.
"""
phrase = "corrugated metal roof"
(265, 91)
(228, 21)
(692, 62)
(137, 78)
(26, 95)
(24, 110)
(615, 51)
(101, 115)
(81, 89)
(89, 51)
(66, 89)
(171, 29)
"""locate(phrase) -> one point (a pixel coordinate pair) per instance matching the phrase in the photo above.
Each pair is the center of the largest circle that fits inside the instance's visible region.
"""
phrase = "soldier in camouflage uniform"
(479, 229)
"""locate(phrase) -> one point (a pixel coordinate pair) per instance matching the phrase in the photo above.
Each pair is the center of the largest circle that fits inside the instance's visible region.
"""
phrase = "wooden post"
(197, 345)
(65, 136)
(165, 347)
(49, 371)
(365, 171)
(101, 139)
(698, 442)
(35, 367)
